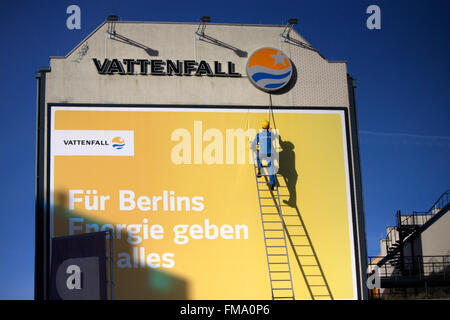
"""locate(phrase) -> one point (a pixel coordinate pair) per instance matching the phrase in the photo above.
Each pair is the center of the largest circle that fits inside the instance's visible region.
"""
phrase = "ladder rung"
(273, 229)
(277, 254)
(281, 280)
(279, 271)
(310, 265)
(283, 297)
(266, 198)
(275, 246)
(274, 238)
(278, 262)
(272, 221)
(269, 213)
(269, 205)
(282, 289)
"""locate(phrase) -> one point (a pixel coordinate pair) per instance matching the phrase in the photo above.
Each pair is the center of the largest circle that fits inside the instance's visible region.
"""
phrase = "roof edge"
(79, 44)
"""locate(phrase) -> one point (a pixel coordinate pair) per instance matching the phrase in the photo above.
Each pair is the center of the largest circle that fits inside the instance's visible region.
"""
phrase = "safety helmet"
(265, 124)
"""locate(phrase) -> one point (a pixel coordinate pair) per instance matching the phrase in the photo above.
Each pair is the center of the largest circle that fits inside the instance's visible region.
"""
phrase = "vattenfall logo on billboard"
(93, 142)
(269, 69)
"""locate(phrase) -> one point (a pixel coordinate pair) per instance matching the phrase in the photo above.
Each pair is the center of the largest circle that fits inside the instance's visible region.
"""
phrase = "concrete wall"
(436, 239)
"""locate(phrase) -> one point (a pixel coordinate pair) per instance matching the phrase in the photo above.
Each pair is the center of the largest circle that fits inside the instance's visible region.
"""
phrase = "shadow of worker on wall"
(287, 171)
(295, 227)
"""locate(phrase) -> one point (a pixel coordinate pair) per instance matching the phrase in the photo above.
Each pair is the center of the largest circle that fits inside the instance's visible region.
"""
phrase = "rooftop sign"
(165, 67)
(269, 69)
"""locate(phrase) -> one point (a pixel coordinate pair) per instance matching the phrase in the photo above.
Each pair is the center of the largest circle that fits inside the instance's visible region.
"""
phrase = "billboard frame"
(42, 231)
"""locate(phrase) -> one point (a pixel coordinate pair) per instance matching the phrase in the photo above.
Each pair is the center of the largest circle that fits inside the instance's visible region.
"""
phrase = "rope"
(271, 112)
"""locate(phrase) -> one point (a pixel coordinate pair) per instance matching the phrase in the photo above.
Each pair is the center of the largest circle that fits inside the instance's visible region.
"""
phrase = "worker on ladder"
(264, 140)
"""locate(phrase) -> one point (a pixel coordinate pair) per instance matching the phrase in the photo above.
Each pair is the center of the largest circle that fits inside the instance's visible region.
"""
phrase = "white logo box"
(91, 143)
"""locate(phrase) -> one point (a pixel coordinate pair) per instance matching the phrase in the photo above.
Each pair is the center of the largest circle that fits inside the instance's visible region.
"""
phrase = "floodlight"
(113, 17)
(205, 19)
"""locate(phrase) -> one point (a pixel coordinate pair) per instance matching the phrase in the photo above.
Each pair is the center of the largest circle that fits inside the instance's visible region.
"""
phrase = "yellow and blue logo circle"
(118, 143)
(269, 69)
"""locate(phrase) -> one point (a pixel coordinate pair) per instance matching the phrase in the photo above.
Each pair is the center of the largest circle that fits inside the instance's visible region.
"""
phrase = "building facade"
(191, 86)
(414, 259)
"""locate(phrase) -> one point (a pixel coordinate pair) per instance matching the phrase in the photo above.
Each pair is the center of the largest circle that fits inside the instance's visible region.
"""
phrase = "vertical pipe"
(42, 235)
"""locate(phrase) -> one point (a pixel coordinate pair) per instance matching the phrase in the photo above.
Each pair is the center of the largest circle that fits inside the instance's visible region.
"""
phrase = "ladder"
(302, 246)
(274, 239)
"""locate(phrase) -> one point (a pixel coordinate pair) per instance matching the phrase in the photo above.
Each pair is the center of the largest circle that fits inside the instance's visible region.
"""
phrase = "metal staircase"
(408, 226)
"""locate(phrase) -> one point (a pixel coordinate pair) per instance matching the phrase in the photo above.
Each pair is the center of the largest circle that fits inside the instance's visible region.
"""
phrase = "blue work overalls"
(264, 139)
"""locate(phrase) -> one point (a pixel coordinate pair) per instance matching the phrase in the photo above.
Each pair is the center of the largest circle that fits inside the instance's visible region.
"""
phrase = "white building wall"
(74, 78)
(436, 239)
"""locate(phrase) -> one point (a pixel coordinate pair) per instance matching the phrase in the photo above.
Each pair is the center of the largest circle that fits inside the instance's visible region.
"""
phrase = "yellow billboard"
(190, 218)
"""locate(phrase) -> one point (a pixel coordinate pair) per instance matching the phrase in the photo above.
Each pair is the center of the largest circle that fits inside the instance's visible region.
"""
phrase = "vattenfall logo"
(269, 69)
(118, 143)
(83, 142)
(93, 142)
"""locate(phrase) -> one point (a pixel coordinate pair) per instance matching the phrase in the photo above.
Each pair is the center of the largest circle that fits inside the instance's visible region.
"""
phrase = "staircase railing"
(418, 267)
(417, 218)
(440, 203)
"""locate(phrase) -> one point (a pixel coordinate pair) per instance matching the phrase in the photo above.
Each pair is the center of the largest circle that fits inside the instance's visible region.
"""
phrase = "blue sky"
(403, 97)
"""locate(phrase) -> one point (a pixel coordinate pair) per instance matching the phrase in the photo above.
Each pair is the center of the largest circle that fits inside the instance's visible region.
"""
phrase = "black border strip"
(193, 106)
(362, 250)
(357, 241)
(41, 260)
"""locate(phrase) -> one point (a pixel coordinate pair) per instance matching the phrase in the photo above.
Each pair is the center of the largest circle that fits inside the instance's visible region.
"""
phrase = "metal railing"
(415, 219)
(421, 217)
(415, 267)
(443, 200)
